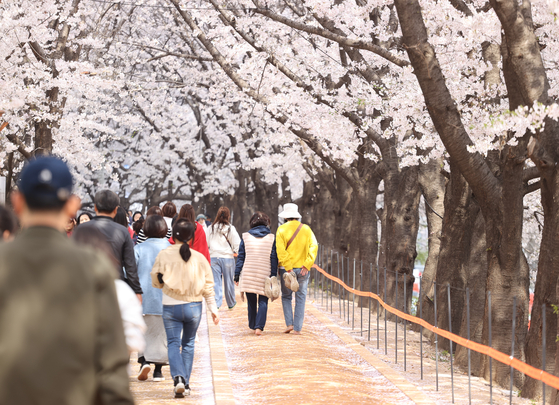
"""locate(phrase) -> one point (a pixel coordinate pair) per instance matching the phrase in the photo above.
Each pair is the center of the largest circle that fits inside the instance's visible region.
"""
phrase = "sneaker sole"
(179, 390)
(158, 379)
(144, 371)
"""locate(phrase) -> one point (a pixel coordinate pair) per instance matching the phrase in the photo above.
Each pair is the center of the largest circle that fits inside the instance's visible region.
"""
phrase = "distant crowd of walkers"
(67, 329)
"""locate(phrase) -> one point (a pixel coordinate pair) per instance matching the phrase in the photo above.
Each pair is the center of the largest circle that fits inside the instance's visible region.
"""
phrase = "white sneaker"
(180, 387)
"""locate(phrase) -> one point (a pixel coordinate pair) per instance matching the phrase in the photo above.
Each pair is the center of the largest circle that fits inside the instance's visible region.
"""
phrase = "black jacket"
(123, 248)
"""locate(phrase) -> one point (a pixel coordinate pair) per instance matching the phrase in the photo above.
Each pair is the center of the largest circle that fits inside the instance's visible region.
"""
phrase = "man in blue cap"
(61, 335)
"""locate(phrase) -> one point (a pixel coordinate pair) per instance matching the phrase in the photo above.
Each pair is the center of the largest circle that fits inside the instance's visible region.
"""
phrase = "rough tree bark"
(497, 195)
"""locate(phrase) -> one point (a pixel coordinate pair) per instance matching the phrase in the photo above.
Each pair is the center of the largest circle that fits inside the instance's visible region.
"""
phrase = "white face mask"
(281, 221)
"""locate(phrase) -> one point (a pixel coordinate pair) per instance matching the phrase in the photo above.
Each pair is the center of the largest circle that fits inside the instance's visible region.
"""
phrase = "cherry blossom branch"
(348, 173)
(351, 115)
(342, 40)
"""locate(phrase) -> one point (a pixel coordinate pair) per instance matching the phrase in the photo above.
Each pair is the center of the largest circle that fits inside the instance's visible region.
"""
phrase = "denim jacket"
(145, 253)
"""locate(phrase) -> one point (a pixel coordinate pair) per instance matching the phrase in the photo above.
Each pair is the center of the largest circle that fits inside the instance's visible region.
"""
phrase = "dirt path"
(331, 363)
(314, 368)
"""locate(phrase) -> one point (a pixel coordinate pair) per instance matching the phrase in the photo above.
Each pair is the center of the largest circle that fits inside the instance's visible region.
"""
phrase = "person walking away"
(122, 219)
(106, 204)
(8, 224)
(151, 211)
(155, 229)
(130, 308)
(61, 335)
(169, 212)
(223, 243)
(199, 243)
(201, 219)
(297, 249)
(185, 277)
(256, 262)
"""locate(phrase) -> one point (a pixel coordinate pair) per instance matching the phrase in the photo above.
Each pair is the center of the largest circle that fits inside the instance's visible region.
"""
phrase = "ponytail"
(185, 252)
(183, 231)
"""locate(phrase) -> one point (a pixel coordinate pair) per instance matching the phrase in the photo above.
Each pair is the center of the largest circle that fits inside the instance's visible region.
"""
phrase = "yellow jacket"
(302, 251)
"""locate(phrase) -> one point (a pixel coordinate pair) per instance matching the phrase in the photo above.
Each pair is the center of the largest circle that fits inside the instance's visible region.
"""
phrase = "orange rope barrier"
(519, 365)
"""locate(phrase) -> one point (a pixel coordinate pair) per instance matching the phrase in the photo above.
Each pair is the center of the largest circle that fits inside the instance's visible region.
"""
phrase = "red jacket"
(199, 243)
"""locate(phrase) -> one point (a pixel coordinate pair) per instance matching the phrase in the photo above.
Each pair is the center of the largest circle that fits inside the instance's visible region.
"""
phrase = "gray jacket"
(123, 248)
(61, 335)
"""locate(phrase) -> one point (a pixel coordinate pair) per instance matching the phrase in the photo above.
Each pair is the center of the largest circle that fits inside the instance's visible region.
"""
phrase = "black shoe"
(187, 390)
(157, 374)
(180, 387)
(144, 371)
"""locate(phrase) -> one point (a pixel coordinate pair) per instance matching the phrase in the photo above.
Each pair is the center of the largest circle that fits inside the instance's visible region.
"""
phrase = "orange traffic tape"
(519, 365)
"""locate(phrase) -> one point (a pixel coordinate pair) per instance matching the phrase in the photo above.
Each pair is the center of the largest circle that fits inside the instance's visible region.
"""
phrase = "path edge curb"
(407, 387)
(223, 390)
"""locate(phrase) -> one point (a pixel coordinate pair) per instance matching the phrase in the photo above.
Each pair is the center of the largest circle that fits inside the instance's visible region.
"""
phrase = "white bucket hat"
(290, 210)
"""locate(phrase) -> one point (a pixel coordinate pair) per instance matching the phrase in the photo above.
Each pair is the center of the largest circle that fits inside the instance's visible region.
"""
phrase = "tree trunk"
(545, 293)
(401, 207)
(433, 185)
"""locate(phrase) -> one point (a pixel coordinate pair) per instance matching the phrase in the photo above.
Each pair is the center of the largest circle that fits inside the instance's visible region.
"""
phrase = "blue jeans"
(183, 318)
(224, 267)
(257, 313)
(300, 299)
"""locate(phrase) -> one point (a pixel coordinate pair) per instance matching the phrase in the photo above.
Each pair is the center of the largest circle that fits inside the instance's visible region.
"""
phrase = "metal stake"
(385, 323)
(405, 321)
(543, 349)
(343, 290)
(436, 339)
(490, 358)
(421, 326)
(322, 289)
(331, 273)
(348, 282)
(512, 345)
(450, 341)
(353, 308)
(469, 358)
(378, 307)
(396, 325)
(339, 287)
(360, 298)
(371, 290)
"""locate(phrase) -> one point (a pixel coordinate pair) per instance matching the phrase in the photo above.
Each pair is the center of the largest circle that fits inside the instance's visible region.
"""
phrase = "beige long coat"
(257, 266)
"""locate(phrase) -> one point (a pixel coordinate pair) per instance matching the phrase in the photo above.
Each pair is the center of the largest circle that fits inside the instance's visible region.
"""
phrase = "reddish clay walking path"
(322, 366)
(316, 367)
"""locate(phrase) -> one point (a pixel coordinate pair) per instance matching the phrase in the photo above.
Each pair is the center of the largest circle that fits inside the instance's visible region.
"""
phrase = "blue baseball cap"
(45, 182)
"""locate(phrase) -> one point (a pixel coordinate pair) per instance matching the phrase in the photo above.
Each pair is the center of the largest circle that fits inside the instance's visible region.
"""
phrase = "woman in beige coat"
(256, 262)
(185, 277)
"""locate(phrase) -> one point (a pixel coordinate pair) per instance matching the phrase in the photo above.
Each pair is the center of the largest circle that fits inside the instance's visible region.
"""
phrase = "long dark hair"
(121, 217)
(222, 217)
(183, 231)
(187, 212)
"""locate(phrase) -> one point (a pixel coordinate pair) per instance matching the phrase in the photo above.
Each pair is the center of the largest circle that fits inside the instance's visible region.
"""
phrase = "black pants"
(257, 312)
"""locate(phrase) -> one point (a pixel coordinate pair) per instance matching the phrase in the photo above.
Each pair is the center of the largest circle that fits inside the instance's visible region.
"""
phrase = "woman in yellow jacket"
(185, 277)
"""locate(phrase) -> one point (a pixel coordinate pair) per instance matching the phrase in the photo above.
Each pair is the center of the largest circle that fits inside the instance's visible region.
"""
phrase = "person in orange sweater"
(296, 248)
